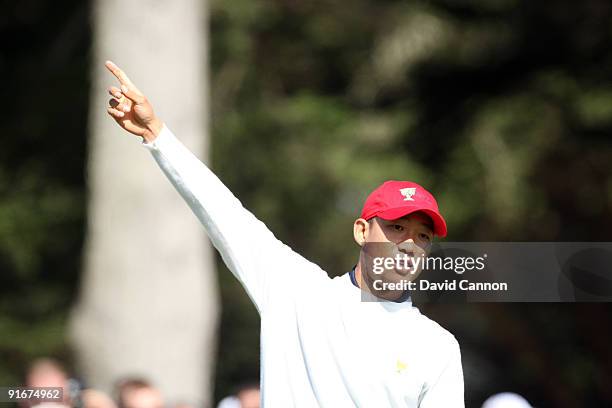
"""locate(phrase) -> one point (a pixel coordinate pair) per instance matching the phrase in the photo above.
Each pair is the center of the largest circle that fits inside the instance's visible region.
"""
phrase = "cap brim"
(439, 225)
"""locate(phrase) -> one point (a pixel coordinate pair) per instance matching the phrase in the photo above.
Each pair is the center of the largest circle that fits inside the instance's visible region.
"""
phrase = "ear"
(361, 229)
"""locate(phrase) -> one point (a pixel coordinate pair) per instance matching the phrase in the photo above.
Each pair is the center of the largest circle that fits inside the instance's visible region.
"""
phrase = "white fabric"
(320, 344)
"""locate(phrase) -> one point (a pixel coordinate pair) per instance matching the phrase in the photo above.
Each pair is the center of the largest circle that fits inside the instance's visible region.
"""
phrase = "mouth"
(407, 266)
(406, 271)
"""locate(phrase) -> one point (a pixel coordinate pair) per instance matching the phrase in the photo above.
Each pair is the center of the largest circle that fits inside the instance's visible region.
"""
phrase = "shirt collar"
(404, 298)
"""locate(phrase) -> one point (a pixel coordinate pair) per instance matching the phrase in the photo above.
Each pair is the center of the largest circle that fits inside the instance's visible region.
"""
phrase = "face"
(249, 398)
(143, 397)
(96, 399)
(48, 374)
(407, 238)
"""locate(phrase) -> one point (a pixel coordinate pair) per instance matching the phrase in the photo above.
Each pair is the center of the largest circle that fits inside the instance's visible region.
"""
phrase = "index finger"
(119, 74)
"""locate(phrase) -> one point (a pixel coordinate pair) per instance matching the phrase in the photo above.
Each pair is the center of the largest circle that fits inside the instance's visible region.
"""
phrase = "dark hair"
(246, 386)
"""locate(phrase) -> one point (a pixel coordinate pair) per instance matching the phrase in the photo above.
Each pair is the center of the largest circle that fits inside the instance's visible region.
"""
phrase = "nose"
(411, 248)
(407, 247)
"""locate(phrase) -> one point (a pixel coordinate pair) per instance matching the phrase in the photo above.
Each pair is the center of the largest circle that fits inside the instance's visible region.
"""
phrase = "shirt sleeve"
(446, 389)
(250, 250)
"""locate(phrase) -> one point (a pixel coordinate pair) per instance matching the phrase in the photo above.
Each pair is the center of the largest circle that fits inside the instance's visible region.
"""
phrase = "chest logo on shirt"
(408, 193)
(400, 366)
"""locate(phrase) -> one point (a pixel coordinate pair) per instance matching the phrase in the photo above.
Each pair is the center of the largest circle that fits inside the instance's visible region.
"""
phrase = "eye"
(425, 237)
(398, 227)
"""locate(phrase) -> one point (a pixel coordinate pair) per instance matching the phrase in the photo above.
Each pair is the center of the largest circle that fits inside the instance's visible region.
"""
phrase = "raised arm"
(262, 263)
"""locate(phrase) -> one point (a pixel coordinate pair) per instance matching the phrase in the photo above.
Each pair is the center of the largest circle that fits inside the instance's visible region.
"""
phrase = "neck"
(358, 278)
(363, 285)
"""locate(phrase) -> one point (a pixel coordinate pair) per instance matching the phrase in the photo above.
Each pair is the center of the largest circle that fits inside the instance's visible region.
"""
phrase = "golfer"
(323, 344)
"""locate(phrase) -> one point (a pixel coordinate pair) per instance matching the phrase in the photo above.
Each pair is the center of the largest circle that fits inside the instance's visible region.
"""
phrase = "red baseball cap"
(396, 199)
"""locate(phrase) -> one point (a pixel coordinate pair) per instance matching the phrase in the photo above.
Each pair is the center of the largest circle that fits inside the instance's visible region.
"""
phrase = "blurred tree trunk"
(148, 301)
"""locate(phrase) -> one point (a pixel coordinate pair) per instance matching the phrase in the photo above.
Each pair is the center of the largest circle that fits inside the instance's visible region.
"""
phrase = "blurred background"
(501, 108)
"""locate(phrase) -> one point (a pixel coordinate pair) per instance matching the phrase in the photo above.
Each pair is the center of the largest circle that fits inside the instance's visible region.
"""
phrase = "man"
(92, 398)
(321, 345)
(138, 393)
(247, 395)
(47, 372)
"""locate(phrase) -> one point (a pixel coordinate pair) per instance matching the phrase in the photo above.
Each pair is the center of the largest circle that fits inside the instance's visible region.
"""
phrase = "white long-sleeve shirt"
(321, 345)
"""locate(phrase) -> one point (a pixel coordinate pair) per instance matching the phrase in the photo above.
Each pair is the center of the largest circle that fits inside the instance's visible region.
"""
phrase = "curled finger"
(115, 92)
(115, 113)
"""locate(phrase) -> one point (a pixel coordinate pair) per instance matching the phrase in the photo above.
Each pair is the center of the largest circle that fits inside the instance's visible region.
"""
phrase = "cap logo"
(408, 192)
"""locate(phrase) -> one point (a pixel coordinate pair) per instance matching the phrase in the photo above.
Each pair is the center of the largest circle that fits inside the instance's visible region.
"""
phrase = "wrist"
(153, 130)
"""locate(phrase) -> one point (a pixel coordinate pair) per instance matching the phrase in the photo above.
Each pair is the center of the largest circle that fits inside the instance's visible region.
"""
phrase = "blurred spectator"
(247, 396)
(138, 393)
(91, 398)
(46, 372)
(506, 400)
